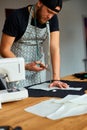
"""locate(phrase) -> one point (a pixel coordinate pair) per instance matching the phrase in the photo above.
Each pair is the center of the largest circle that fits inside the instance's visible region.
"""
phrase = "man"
(24, 32)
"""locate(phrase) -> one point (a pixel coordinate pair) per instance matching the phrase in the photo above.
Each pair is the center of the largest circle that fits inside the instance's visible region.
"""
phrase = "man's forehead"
(57, 8)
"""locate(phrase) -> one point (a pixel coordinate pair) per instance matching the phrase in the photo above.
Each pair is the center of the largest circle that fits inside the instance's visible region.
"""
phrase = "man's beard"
(41, 19)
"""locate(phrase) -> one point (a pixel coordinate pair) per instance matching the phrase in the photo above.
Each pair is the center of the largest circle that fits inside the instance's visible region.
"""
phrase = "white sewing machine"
(12, 70)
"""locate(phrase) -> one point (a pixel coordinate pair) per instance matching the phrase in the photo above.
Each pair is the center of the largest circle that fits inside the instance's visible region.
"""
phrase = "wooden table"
(73, 78)
(13, 114)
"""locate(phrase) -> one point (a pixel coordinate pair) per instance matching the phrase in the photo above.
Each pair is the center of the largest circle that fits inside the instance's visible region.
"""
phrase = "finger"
(41, 64)
(59, 84)
(56, 85)
(44, 66)
(37, 68)
(38, 62)
(65, 85)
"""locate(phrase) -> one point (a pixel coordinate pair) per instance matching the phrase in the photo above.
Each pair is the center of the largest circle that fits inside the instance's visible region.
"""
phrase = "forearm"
(7, 54)
(5, 46)
(56, 72)
(55, 55)
(55, 59)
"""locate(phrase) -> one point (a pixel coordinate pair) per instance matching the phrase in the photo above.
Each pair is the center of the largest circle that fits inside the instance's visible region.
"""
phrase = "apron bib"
(30, 47)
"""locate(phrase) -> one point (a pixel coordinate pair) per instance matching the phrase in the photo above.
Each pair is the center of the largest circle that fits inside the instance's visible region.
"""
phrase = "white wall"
(11, 4)
(72, 44)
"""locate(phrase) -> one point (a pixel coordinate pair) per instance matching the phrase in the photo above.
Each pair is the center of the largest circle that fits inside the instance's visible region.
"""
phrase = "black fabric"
(76, 84)
(16, 23)
(59, 93)
(81, 76)
(52, 4)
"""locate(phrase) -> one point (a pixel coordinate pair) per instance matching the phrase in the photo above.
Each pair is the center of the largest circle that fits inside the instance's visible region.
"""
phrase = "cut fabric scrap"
(67, 110)
(81, 100)
(43, 108)
(71, 105)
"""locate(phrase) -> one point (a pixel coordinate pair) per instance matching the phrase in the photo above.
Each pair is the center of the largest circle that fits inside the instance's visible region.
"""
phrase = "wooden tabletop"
(73, 78)
(13, 114)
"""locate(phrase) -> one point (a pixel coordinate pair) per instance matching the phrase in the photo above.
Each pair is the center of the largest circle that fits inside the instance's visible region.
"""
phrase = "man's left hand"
(59, 84)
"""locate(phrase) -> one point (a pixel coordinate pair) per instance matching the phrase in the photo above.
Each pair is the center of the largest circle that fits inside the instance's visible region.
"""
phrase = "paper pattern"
(54, 109)
(45, 86)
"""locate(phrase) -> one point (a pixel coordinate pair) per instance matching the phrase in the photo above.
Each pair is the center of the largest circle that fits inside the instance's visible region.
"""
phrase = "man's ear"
(58, 8)
(39, 3)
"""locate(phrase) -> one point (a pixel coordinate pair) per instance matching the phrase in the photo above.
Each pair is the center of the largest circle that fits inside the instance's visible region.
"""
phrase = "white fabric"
(71, 105)
(45, 86)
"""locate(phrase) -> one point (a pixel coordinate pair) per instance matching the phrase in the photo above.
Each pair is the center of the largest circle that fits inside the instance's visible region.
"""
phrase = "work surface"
(13, 114)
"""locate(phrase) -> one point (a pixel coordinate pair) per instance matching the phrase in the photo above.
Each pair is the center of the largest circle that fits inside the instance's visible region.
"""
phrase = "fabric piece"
(56, 109)
(45, 86)
(59, 93)
(81, 76)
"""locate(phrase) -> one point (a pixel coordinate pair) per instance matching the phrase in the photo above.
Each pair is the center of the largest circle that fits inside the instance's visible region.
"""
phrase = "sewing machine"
(11, 70)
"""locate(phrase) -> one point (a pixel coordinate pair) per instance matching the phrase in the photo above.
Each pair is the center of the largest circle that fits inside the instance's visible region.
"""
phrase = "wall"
(72, 36)
(72, 44)
(11, 4)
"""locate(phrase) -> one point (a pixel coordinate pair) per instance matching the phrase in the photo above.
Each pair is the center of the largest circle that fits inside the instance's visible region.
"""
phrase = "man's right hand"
(35, 66)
